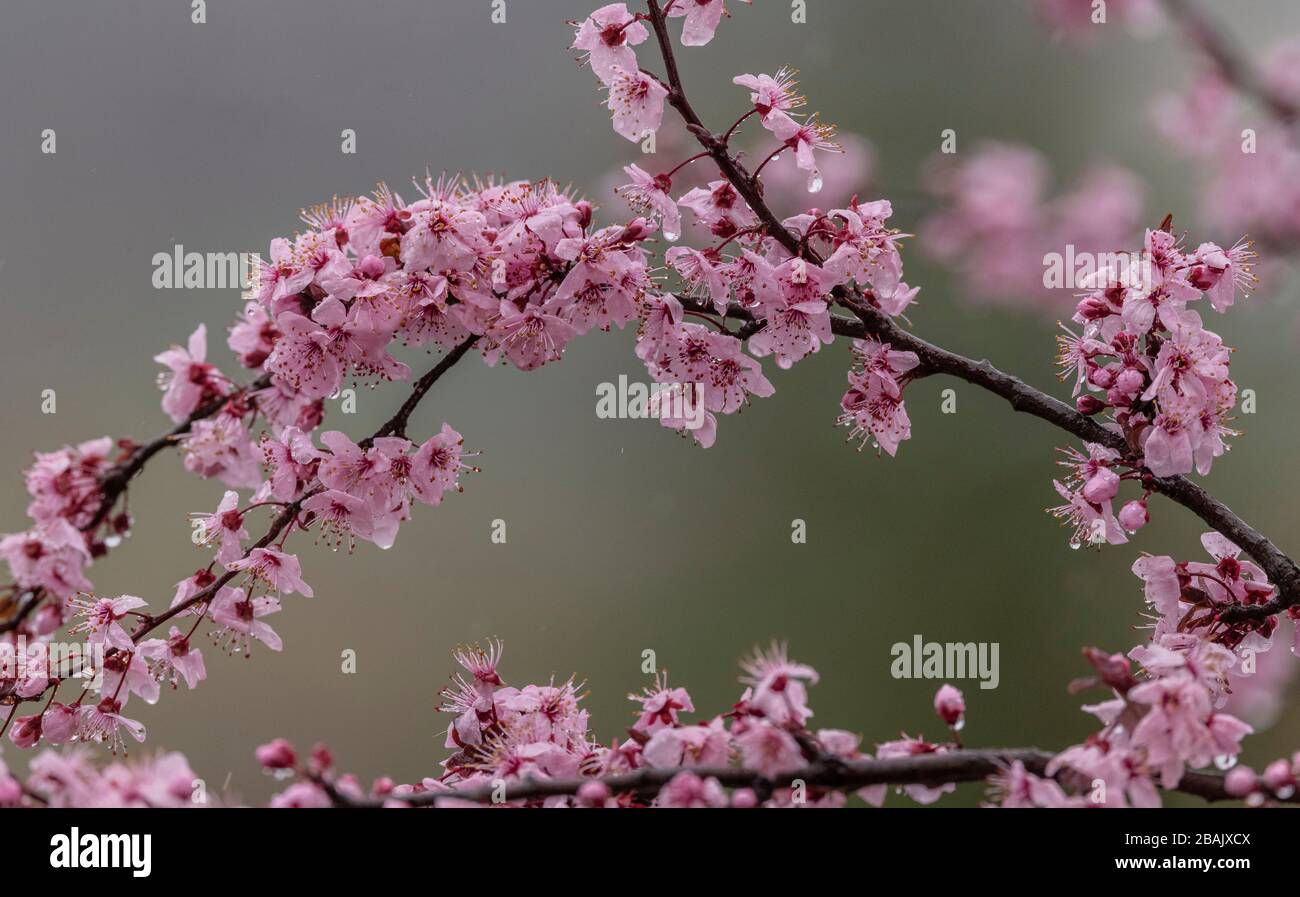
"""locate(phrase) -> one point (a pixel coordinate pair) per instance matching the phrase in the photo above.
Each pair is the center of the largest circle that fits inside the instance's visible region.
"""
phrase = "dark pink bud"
(593, 794)
(278, 754)
(1130, 381)
(1277, 775)
(1087, 404)
(1240, 781)
(382, 787)
(321, 757)
(1092, 308)
(949, 704)
(1113, 669)
(59, 723)
(1133, 516)
(26, 730)
(1102, 378)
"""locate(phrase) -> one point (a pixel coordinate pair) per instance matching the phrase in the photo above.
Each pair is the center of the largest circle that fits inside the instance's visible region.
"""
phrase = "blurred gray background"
(622, 536)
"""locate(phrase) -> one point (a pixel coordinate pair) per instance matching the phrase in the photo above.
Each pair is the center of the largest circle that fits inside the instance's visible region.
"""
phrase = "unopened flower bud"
(1089, 404)
(1133, 516)
(1240, 781)
(593, 794)
(949, 704)
(278, 754)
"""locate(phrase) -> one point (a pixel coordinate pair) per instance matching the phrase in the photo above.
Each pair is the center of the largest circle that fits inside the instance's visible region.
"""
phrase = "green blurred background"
(621, 536)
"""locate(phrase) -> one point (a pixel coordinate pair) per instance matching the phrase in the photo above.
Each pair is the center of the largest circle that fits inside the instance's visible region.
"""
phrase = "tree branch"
(395, 425)
(1233, 65)
(923, 769)
(116, 479)
(1281, 569)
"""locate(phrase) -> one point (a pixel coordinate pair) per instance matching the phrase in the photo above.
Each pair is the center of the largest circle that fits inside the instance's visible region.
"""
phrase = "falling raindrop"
(815, 181)
(959, 725)
(672, 233)
(1225, 761)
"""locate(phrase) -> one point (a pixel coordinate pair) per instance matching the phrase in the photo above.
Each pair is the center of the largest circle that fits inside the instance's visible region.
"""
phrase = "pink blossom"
(687, 790)
(240, 617)
(277, 754)
(699, 745)
(191, 381)
(104, 722)
(225, 525)
(341, 514)
(911, 747)
(702, 18)
(766, 748)
(102, 619)
(660, 706)
(174, 658)
(280, 571)
(771, 93)
(778, 684)
(531, 337)
(608, 36)
(649, 195)
(637, 103)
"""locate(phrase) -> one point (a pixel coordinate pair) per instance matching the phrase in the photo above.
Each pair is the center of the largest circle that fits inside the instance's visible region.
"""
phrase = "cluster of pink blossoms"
(65, 488)
(1146, 358)
(515, 267)
(74, 779)
(504, 734)
(518, 269)
(787, 295)
(1169, 718)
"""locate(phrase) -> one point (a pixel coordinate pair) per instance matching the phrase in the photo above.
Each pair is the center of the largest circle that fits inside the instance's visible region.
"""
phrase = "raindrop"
(815, 181)
(1286, 792)
(959, 725)
(1225, 761)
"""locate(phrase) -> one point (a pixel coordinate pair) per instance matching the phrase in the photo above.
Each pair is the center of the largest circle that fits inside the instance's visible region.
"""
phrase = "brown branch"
(116, 479)
(923, 769)
(396, 425)
(1215, 42)
(1281, 569)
